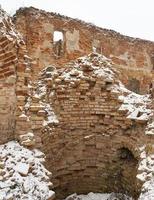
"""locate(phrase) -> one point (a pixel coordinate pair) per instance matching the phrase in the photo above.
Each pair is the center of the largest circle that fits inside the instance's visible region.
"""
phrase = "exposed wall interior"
(131, 56)
(96, 134)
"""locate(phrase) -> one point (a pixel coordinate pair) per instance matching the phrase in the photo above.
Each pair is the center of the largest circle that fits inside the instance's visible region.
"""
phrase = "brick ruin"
(96, 133)
(132, 57)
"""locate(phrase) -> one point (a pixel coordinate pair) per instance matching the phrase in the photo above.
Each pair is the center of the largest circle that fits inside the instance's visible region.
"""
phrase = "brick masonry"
(132, 57)
(68, 108)
(75, 118)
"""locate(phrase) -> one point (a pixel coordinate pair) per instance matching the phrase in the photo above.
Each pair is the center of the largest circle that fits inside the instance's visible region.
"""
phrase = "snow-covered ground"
(99, 196)
(22, 174)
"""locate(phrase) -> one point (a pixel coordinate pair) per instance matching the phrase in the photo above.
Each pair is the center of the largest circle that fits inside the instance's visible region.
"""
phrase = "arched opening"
(127, 163)
(126, 155)
(95, 164)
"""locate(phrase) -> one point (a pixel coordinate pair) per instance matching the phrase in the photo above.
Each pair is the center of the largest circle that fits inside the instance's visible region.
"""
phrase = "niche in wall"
(125, 154)
(58, 43)
(152, 62)
(134, 85)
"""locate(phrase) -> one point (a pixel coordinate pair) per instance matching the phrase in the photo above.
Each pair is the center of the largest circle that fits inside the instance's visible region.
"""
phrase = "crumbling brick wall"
(14, 78)
(7, 90)
(84, 146)
(8, 77)
(75, 119)
(133, 57)
(73, 113)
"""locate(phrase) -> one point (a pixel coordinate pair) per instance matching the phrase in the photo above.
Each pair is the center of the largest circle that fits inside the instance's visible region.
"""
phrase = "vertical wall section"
(14, 78)
(7, 89)
(8, 77)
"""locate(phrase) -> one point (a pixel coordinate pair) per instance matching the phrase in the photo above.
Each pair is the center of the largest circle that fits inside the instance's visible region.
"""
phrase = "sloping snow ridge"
(22, 174)
(136, 105)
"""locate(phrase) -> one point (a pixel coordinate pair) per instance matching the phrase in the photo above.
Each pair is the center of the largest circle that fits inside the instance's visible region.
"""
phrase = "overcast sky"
(130, 17)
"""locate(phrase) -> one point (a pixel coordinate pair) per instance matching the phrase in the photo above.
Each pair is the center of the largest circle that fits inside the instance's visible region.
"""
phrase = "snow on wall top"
(136, 106)
(93, 69)
(97, 66)
(94, 65)
(22, 174)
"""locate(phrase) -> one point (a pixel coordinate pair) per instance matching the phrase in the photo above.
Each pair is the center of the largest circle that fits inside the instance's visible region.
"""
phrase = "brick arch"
(131, 146)
(83, 161)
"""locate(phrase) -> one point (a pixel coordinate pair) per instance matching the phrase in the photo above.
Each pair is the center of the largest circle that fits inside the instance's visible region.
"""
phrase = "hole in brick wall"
(81, 98)
(116, 172)
(134, 85)
(126, 173)
(92, 98)
(58, 42)
(25, 81)
(58, 35)
(91, 84)
(151, 89)
(126, 155)
(83, 92)
(139, 114)
(152, 62)
(150, 86)
(108, 83)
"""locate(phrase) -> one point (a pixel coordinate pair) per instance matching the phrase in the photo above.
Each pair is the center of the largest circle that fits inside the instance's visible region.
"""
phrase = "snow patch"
(24, 176)
(99, 196)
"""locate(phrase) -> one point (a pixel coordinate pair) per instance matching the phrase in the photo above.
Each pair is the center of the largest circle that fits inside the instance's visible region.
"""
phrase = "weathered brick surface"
(133, 57)
(7, 80)
(75, 118)
(73, 112)
(13, 65)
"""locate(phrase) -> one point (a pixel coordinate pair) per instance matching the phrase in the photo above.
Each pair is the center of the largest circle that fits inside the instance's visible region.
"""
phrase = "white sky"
(130, 17)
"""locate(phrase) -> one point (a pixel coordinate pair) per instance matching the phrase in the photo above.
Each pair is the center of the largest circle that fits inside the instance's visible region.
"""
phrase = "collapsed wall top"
(7, 28)
(133, 57)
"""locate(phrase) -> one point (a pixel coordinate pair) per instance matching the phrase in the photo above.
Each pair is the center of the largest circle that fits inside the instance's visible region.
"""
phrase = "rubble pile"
(22, 173)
